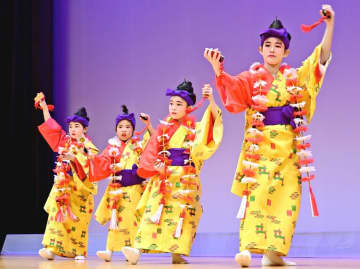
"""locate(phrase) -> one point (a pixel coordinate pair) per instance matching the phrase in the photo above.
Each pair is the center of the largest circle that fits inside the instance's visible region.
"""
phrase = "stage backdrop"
(109, 53)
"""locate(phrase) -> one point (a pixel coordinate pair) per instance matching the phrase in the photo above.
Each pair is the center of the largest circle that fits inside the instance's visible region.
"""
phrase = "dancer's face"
(177, 107)
(124, 130)
(273, 51)
(76, 130)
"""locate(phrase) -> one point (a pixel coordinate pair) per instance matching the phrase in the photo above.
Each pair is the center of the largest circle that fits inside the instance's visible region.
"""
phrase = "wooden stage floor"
(30, 262)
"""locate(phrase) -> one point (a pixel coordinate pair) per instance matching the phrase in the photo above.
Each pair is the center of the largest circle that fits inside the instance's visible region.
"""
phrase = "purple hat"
(276, 29)
(126, 116)
(185, 91)
(80, 116)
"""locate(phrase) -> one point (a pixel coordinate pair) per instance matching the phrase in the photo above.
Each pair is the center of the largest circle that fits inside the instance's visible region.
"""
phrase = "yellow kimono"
(70, 203)
(120, 201)
(171, 212)
(272, 196)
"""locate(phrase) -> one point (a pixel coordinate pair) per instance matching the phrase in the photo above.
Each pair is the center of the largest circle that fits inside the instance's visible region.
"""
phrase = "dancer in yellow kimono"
(70, 203)
(173, 159)
(119, 161)
(275, 157)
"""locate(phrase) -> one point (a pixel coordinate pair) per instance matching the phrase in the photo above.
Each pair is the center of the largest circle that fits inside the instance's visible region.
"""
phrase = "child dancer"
(70, 202)
(120, 161)
(275, 158)
(173, 159)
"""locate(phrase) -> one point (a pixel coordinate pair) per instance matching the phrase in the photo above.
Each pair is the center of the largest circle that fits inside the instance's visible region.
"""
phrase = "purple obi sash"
(279, 115)
(178, 156)
(129, 177)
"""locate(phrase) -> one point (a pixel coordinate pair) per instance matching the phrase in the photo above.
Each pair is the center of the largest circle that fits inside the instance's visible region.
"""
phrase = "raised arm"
(234, 91)
(145, 118)
(45, 110)
(326, 42)
(207, 92)
(213, 56)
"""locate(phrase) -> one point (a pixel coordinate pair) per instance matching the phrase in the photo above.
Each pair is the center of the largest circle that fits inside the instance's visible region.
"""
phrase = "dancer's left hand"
(329, 10)
(207, 92)
(142, 117)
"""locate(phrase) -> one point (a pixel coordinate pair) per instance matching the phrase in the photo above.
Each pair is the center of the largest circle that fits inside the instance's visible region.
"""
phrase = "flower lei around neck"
(116, 155)
(62, 178)
(261, 86)
(165, 131)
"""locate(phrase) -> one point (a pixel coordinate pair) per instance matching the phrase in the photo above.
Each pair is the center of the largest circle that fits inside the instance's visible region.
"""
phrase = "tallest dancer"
(276, 158)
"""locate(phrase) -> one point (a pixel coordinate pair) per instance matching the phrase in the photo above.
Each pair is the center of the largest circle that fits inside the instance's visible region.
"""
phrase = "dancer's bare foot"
(243, 258)
(178, 259)
(272, 258)
(131, 254)
(106, 255)
(46, 254)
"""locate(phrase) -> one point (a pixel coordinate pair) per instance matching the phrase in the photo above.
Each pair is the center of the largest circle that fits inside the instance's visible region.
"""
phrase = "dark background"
(27, 68)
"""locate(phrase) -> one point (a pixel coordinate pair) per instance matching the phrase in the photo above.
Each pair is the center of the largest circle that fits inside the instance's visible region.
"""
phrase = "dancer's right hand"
(40, 100)
(43, 104)
(213, 56)
(145, 118)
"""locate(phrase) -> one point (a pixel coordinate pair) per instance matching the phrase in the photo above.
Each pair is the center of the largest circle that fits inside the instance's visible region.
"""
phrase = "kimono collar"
(115, 141)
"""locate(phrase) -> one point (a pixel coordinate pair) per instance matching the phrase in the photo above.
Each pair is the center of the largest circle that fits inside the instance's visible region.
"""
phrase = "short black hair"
(186, 85)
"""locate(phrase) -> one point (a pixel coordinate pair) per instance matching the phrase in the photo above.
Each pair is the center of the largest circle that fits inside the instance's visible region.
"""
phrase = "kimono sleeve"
(310, 76)
(209, 133)
(145, 139)
(235, 91)
(52, 133)
(100, 166)
(81, 175)
(146, 165)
